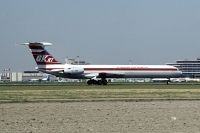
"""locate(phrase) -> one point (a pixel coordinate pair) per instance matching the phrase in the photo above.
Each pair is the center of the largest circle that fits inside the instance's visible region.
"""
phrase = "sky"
(100, 31)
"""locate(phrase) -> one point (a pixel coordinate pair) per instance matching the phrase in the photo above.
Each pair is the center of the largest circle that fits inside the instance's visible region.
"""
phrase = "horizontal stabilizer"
(37, 44)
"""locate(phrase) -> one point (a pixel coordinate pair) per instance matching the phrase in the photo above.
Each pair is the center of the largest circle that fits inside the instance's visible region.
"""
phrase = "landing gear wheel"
(92, 82)
(89, 82)
(104, 82)
(100, 82)
(97, 82)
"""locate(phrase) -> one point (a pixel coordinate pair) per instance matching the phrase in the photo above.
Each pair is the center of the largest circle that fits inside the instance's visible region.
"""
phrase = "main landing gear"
(97, 82)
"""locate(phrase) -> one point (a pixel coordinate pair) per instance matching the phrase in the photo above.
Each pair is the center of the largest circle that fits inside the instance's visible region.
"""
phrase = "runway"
(101, 117)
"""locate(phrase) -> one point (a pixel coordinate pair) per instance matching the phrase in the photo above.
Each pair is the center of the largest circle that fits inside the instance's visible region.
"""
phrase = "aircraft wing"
(110, 75)
(104, 75)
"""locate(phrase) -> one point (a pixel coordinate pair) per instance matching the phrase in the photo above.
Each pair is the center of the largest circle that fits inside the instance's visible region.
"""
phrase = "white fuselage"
(113, 71)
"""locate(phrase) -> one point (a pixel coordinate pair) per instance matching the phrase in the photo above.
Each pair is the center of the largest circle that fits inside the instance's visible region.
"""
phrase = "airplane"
(96, 74)
(45, 79)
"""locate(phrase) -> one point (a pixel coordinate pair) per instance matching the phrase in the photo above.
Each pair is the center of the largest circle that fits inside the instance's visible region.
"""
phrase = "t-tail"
(42, 57)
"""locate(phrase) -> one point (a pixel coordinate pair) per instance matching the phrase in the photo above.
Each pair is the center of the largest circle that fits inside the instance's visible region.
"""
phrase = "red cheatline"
(130, 69)
(124, 69)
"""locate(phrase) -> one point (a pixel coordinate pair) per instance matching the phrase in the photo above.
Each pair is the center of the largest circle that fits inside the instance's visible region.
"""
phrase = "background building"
(76, 61)
(26, 76)
(190, 68)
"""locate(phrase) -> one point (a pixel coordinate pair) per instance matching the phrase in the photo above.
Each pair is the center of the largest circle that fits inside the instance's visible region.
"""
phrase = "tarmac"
(101, 117)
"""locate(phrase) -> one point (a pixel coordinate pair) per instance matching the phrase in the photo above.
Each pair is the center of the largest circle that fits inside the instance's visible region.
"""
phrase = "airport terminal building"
(21, 76)
(190, 68)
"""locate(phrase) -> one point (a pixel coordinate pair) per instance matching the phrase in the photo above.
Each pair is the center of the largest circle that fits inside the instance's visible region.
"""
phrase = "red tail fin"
(41, 56)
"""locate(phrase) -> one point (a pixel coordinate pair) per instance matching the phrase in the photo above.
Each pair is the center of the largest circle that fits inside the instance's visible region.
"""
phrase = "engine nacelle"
(74, 70)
